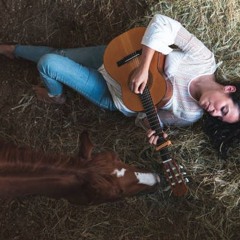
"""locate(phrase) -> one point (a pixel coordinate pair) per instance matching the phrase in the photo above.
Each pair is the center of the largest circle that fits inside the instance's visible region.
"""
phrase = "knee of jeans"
(46, 62)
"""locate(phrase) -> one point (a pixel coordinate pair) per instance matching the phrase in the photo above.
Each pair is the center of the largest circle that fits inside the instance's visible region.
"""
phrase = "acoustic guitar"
(121, 58)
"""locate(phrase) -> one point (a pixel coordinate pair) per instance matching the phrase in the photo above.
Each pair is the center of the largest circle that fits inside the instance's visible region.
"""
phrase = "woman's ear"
(229, 89)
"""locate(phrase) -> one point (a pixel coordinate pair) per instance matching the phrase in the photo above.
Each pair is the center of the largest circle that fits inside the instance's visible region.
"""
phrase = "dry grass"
(211, 211)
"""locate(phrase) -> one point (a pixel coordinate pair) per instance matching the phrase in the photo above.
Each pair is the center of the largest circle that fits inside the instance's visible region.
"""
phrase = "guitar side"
(122, 46)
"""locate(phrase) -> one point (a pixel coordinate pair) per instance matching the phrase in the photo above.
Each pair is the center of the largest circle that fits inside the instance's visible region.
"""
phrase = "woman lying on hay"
(189, 71)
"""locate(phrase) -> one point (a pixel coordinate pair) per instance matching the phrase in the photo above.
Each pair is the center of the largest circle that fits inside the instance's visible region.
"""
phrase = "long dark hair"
(223, 135)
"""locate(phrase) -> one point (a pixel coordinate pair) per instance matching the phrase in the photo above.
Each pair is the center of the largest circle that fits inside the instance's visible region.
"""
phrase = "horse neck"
(54, 185)
(24, 172)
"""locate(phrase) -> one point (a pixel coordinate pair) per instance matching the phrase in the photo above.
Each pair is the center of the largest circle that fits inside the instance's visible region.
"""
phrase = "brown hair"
(223, 135)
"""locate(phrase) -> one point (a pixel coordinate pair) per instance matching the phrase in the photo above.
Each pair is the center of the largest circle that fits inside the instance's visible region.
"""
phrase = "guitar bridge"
(129, 57)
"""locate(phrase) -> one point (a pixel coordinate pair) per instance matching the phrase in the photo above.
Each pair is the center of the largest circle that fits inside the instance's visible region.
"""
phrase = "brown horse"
(85, 179)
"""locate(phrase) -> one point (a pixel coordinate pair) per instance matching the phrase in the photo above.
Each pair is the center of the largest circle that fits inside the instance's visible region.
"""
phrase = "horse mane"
(22, 158)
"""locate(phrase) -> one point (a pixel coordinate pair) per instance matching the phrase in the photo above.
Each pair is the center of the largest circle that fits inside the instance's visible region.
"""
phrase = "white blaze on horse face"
(119, 173)
(147, 178)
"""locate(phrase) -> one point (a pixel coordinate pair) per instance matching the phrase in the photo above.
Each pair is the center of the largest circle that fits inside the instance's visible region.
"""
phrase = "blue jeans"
(75, 68)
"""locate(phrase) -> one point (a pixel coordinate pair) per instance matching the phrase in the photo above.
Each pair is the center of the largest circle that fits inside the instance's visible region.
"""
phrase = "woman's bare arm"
(140, 76)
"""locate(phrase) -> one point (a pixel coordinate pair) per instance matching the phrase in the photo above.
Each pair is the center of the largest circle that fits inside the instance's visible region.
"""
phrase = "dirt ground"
(26, 121)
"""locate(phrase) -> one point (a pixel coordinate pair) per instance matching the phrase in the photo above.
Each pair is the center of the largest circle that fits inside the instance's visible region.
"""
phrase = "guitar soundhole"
(149, 83)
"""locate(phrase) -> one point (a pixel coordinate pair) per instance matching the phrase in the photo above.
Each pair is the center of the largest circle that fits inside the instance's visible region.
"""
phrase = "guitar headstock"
(174, 176)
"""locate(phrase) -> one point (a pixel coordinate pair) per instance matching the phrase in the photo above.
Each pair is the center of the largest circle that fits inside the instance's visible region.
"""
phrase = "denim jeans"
(75, 68)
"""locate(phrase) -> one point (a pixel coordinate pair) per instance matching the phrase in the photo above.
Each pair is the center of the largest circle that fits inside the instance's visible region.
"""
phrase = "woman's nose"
(215, 113)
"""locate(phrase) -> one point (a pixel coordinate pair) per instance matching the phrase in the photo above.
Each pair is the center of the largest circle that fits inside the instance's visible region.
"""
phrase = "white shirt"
(193, 59)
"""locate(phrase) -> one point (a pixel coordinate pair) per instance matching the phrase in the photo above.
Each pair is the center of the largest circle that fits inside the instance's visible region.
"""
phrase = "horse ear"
(85, 150)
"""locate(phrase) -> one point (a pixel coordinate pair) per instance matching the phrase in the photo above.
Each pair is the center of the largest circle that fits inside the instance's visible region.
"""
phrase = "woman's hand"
(139, 80)
(140, 76)
(152, 138)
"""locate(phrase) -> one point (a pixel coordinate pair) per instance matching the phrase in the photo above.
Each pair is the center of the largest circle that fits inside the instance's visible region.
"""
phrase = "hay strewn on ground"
(211, 211)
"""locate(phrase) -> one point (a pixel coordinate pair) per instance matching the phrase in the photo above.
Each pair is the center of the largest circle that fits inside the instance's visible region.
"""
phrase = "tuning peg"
(186, 180)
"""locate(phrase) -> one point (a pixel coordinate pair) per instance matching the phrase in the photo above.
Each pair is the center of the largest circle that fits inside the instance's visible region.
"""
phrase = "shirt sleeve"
(160, 33)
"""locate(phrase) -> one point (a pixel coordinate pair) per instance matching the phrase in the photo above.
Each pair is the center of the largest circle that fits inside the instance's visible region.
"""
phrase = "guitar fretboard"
(151, 113)
(154, 122)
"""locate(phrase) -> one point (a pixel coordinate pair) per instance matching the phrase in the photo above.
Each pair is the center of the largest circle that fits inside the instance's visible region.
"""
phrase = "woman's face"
(219, 104)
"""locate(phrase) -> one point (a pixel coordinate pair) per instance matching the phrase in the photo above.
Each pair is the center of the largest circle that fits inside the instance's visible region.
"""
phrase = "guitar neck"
(154, 122)
(171, 169)
(151, 113)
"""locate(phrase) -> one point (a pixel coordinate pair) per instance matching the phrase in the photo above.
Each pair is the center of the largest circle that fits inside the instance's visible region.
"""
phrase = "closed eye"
(224, 110)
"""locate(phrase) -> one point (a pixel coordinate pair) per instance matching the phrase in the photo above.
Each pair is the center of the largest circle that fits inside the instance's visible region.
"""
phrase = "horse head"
(111, 178)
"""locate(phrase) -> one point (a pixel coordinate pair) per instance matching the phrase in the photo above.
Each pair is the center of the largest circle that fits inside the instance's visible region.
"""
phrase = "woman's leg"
(62, 70)
(56, 71)
(31, 53)
(88, 56)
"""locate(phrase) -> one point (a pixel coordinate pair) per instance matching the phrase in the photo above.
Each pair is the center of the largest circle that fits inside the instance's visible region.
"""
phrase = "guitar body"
(125, 45)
